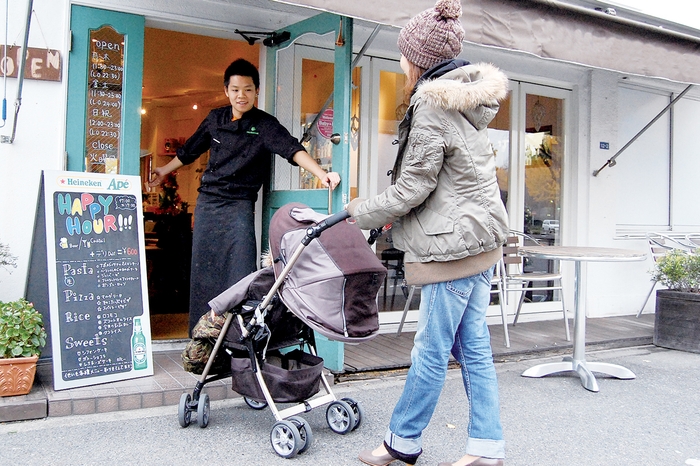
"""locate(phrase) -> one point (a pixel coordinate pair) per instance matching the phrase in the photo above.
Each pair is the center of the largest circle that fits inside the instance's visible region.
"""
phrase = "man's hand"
(332, 179)
(157, 177)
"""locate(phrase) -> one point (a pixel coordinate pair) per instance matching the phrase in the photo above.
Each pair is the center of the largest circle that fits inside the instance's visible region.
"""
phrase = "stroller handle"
(316, 230)
(375, 233)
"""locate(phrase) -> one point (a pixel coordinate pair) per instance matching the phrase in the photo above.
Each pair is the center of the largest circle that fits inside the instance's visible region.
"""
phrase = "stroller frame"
(290, 434)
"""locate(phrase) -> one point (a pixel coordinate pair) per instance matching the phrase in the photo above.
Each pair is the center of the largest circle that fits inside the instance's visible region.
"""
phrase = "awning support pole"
(611, 161)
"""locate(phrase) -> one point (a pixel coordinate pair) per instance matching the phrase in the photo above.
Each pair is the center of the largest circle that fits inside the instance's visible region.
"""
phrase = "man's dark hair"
(242, 67)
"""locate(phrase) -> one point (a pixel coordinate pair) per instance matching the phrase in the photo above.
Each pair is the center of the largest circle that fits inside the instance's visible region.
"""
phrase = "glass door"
(531, 129)
(315, 97)
(313, 114)
(305, 105)
(286, 75)
(543, 156)
(388, 106)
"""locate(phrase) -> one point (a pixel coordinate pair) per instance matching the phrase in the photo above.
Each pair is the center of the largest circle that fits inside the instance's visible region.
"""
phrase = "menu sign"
(104, 101)
(100, 325)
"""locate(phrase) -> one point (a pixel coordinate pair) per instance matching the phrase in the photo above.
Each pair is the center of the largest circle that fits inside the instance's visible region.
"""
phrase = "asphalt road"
(652, 420)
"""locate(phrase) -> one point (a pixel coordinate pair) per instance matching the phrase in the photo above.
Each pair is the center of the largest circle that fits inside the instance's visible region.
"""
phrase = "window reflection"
(543, 162)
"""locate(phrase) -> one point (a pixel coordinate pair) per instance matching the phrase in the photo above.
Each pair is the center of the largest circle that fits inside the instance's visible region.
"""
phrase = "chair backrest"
(660, 245)
(512, 262)
(693, 240)
(525, 237)
(689, 242)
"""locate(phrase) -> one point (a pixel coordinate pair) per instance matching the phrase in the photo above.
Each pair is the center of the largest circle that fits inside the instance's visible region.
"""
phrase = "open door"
(291, 184)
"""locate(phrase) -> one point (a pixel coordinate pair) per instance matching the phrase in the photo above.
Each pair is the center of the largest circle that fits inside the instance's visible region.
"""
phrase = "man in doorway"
(240, 139)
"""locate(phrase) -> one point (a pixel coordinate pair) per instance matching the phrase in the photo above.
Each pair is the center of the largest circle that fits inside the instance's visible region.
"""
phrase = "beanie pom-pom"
(449, 9)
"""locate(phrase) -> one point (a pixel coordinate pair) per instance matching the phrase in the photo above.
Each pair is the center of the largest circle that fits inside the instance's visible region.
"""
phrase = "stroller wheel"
(254, 403)
(184, 415)
(305, 433)
(203, 411)
(285, 439)
(340, 417)
(356, 410)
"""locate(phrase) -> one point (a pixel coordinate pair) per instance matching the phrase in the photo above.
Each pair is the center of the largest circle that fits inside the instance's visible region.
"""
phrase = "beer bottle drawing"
(138, 346)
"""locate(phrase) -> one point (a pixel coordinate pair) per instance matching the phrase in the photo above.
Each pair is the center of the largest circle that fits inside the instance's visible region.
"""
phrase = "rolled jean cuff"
(486, 448)
(405, 449)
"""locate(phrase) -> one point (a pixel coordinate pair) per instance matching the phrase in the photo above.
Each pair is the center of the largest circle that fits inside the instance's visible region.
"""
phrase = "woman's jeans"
(452, 319)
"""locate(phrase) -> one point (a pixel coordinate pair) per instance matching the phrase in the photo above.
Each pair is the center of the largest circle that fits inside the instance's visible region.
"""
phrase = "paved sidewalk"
(653, 420)
(386, 352)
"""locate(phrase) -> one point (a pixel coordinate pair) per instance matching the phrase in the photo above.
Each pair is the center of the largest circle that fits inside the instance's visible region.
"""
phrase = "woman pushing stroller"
(448, 218)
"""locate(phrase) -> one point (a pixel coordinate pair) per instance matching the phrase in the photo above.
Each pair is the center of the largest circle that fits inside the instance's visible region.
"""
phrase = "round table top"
(582, 253)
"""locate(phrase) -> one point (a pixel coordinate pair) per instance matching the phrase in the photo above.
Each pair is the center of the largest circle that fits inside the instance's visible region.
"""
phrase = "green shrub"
(679, 271)
(22, 332)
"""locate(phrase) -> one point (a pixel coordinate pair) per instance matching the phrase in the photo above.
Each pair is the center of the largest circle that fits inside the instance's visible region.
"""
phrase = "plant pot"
(17, 375)
(677, 321)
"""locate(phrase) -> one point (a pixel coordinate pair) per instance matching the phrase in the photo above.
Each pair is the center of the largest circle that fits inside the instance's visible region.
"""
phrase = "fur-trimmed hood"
(465, 89)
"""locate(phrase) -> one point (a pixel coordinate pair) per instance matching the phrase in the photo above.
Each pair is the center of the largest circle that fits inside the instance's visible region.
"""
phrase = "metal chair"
(660, 245)
(409, 298)
(498, 288)
(517, 280)
(693, 240)
(392, 259)
(689, 241)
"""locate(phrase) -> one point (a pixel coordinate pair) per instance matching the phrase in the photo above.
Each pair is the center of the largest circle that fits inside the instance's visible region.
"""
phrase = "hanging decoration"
(354, 132)
(538, 113)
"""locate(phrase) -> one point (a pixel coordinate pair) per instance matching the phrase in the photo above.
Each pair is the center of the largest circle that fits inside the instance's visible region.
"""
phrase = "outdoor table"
(578, 363)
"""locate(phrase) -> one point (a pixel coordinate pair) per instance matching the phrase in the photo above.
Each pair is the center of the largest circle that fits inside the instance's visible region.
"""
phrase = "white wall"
(39, 138)
(632, 197)
(686, 165)
(613, 288)
(643, 170)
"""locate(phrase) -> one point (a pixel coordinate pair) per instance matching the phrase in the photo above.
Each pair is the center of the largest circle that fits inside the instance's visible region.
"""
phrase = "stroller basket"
(290, 377)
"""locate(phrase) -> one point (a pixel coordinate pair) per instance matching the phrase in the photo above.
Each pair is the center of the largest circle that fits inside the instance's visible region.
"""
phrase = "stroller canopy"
(333, 285)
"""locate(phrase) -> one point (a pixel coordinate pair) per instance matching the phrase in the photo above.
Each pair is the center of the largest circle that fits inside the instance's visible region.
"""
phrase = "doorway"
(182, 83)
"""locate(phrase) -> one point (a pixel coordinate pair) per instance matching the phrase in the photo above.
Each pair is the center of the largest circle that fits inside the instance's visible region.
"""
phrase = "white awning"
(550, 29)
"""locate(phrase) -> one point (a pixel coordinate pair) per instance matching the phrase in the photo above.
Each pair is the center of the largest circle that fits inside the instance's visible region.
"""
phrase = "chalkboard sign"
(98, 299)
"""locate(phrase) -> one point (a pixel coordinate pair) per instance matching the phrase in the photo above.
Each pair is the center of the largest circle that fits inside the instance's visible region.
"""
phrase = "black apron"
(223, 249)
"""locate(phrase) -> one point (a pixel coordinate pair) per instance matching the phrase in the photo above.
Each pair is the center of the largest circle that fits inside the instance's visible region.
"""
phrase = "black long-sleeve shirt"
(240, 151)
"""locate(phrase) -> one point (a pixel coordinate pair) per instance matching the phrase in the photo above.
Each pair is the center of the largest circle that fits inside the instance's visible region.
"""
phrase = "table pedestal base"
(583, 369)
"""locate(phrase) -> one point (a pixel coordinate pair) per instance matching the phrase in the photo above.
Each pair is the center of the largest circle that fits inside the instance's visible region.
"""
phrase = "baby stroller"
(328, 285)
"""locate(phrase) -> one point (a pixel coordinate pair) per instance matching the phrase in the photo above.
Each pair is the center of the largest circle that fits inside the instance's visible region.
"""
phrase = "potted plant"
(22, 336)
(677, 320)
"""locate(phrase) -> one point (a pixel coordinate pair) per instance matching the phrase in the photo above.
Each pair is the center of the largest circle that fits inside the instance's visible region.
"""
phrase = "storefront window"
(543, 163)
(316, 118)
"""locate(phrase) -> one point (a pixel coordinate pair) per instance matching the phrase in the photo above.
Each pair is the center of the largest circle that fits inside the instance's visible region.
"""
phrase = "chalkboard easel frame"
(90, 227)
